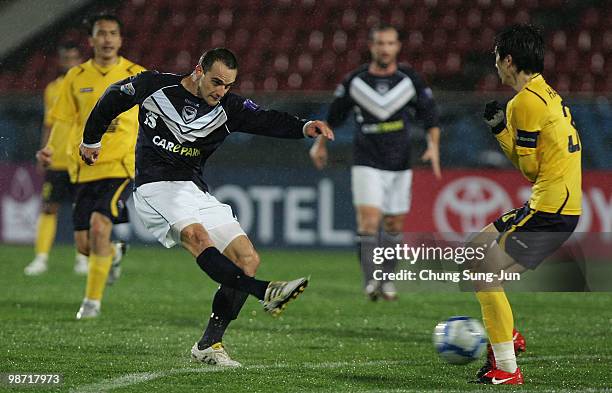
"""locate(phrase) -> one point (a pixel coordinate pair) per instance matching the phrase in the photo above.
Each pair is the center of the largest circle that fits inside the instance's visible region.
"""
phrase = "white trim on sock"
(505, 358)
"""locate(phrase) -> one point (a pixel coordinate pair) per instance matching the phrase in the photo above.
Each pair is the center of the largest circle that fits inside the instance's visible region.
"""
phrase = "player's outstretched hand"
(43, 156)
(88, 154)
(494, 116)
(317, 127)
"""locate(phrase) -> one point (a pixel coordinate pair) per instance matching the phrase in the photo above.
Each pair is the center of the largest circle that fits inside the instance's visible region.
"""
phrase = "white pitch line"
(137, 378)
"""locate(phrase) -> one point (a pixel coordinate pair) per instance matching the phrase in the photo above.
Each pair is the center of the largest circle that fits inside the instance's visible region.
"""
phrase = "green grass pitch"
(329, 340)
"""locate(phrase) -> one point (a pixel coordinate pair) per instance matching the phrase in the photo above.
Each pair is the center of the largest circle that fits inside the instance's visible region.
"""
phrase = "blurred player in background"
(101, 191)
(57, 187)
(382, 94)
(539, 136)
(183, 120)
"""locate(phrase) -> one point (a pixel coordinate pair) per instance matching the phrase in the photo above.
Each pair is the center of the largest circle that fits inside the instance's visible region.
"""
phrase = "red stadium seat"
(299, 38)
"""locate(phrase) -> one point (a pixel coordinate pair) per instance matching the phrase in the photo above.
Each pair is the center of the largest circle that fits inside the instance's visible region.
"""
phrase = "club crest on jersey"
(128, 89)
(189, 114)
(382, 88)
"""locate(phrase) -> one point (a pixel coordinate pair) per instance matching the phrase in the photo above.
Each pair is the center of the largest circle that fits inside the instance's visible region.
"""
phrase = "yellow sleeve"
(65, 107)
(506, 142)
(528, 114)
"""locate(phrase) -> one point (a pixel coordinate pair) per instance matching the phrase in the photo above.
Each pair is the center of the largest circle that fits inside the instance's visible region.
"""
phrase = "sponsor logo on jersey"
(86, 90)
(380, 128)
(176, 147)
(189, 114)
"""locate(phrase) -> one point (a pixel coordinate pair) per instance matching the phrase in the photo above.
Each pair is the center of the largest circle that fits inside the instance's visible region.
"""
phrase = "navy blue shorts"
(530, 236)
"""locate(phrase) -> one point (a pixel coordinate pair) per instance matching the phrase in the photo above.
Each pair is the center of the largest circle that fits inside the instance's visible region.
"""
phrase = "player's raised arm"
(118, 98)
(250, 118)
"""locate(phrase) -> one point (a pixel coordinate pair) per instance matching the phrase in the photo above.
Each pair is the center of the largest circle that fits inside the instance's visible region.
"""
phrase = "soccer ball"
(460, 340)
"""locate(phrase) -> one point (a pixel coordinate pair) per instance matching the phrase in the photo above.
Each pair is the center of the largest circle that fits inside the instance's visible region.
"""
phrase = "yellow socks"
(45, 233)
(496, 315)
(99, 266)
(499, 322)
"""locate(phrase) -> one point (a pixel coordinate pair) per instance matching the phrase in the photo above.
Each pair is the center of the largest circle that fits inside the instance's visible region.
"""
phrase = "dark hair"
(91, 21)
(218, 54)
(68, 45)
(526, 46)
(381, 27)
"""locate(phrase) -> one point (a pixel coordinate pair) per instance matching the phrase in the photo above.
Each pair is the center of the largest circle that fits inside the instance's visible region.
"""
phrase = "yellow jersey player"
(538, 135)
(102, 191)
(57, 187)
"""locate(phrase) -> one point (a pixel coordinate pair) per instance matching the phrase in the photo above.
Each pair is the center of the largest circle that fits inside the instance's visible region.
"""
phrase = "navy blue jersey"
(179, 131)
(384, 107)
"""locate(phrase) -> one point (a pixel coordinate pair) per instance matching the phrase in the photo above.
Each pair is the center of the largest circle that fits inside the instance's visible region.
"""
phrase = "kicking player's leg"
(228, 302)
(496, 311)
(221, 269)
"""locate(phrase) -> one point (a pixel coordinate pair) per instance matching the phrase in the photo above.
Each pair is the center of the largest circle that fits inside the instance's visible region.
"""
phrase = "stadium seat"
(440, 37)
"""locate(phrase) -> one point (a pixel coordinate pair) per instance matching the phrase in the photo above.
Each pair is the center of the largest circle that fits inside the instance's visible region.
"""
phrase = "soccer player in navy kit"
(183, 120)
(381, 94)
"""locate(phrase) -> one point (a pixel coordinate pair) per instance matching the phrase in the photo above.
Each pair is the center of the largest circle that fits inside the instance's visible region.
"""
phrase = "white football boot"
(215, 355)
(89, 309)
(37, 267)
(279, 293)
(115, 270)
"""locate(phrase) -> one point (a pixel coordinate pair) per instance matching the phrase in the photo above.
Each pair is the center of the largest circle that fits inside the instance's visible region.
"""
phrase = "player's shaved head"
(524, 43)
(223, 55)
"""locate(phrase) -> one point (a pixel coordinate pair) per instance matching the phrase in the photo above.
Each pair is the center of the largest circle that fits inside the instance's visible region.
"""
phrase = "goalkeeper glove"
(494, 117)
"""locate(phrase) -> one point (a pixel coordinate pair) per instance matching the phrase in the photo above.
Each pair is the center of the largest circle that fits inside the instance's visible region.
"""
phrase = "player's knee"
(196, 239)
(369, 227)
(369, 223)
(99, 226)
(249, 263)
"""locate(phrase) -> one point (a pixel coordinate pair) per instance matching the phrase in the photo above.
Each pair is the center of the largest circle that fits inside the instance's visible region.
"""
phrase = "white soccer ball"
(460, 340)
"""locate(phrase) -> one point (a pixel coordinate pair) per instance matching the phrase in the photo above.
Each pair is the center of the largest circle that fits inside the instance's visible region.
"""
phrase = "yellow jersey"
(79, 92)
(542, 141)
(59, 142)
